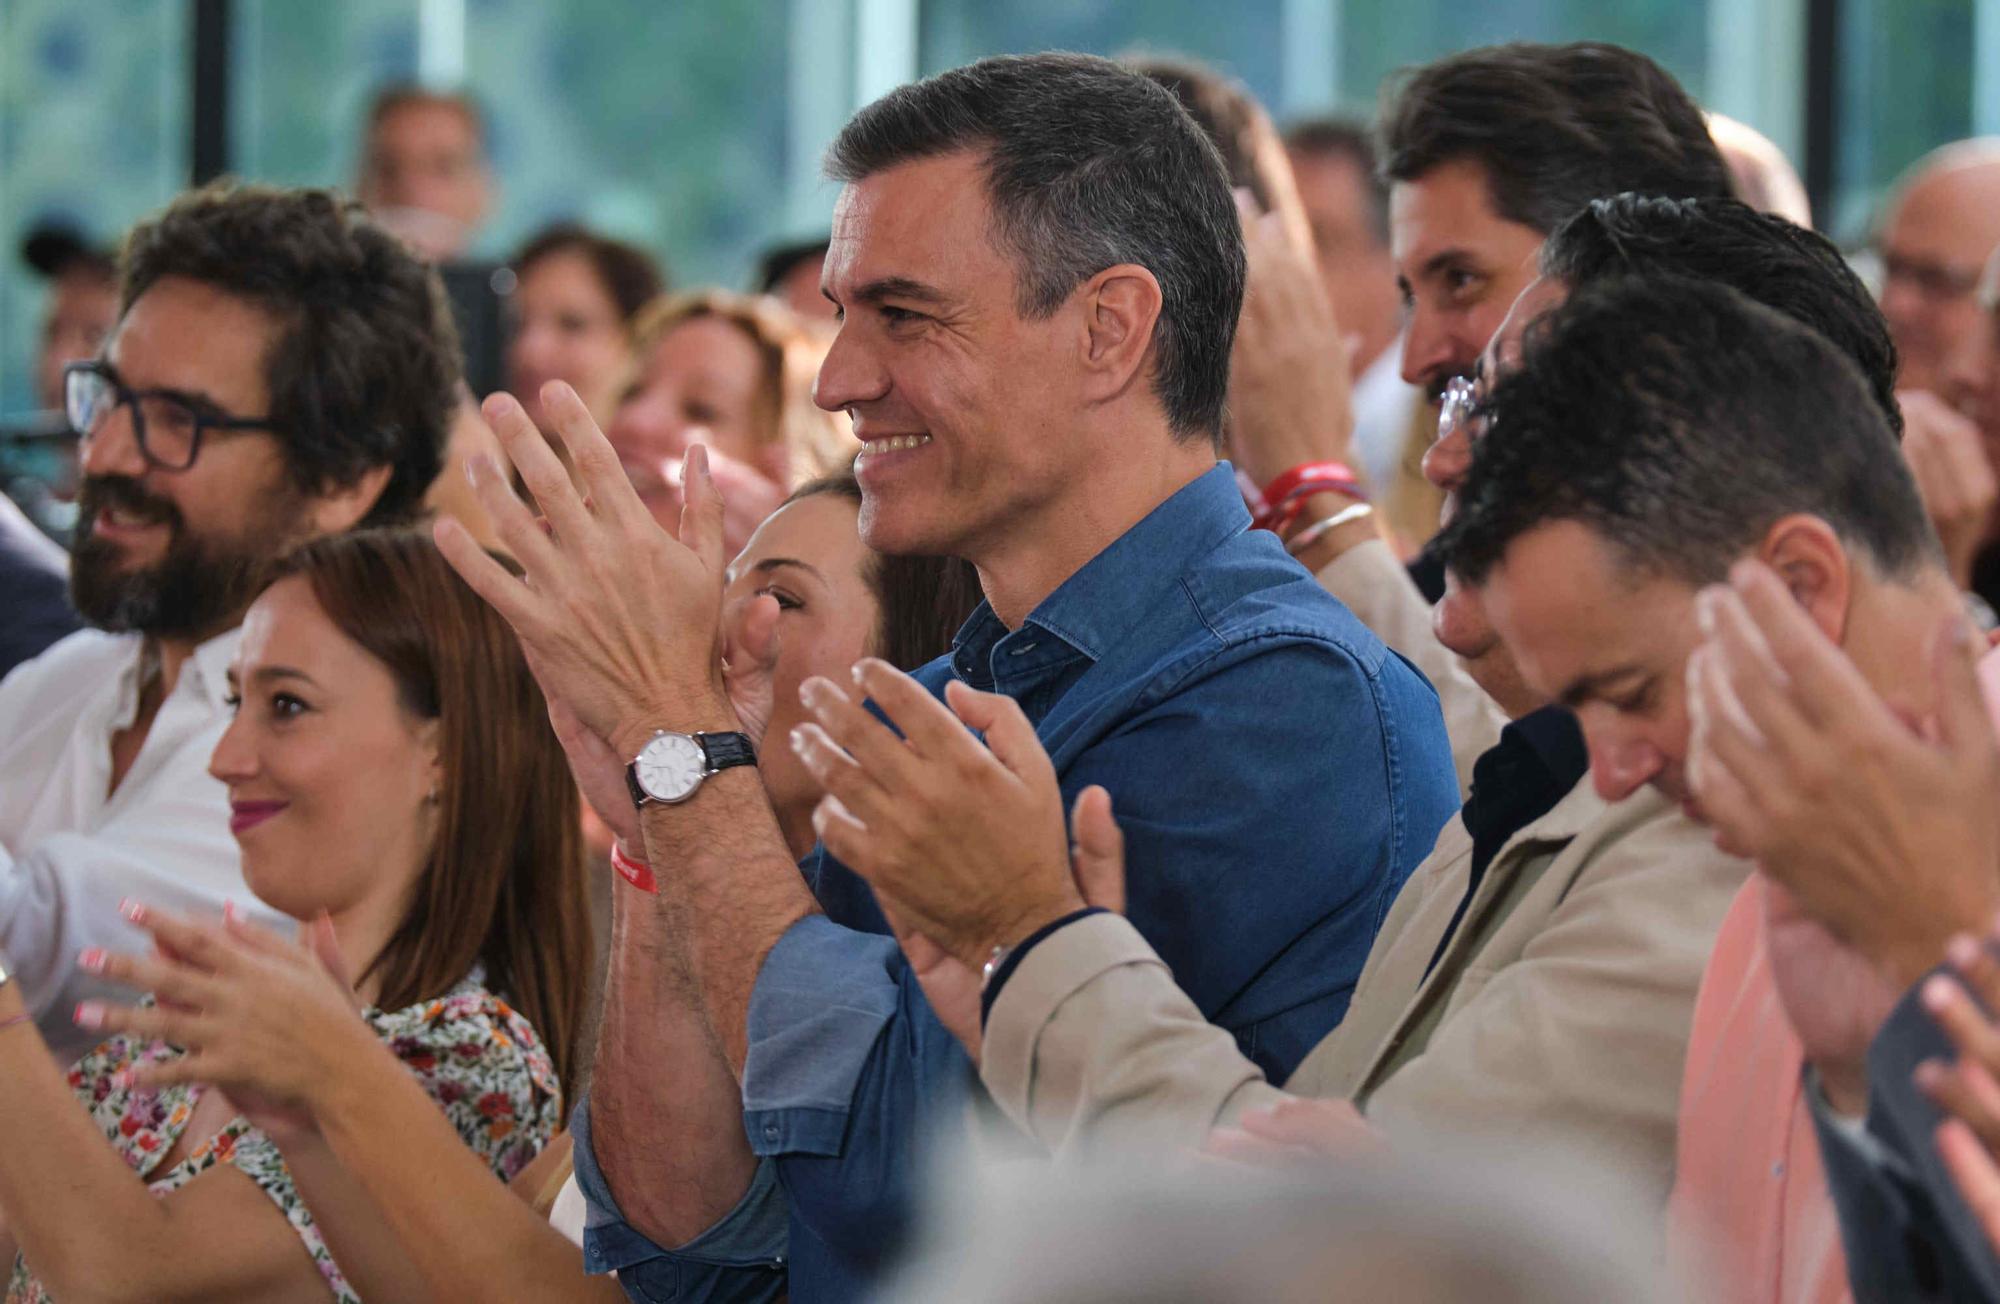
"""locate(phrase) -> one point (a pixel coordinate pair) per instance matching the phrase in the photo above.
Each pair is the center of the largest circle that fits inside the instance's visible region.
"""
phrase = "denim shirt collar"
(1093, 610)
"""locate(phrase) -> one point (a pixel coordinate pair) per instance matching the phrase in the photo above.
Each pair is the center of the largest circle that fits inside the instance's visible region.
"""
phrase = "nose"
(851, 374)
(1970, 366)
(648, 426)
(1620, 765)
(112, 447)
(1446, 460)
(1429, 352)
(234, 759)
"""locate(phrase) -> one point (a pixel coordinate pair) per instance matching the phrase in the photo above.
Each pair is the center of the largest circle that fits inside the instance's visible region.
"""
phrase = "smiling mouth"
(246, 815)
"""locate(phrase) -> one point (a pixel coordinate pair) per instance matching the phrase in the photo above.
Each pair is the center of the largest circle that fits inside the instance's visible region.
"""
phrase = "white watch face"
(671, 767)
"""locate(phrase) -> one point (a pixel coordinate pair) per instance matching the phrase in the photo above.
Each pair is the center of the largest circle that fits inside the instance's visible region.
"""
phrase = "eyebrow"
(769, 564)
(266, 674)
(897, 287)
(1585, 687)
(1438, 261)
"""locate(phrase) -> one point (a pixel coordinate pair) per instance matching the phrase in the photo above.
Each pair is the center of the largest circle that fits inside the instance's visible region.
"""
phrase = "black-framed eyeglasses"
(167, 425)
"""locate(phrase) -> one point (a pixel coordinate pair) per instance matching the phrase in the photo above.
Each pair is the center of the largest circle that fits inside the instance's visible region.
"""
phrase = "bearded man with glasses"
(280, 369)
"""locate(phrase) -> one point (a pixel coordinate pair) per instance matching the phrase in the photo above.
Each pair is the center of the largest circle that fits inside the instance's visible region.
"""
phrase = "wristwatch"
(671, 766)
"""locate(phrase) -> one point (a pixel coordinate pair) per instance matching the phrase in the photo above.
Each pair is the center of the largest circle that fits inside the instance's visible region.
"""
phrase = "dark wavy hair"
(1773, 261)
(1553, 127)
(365, 369)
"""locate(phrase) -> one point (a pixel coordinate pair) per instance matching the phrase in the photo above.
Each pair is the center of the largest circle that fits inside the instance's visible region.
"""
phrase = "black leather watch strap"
(726, 750)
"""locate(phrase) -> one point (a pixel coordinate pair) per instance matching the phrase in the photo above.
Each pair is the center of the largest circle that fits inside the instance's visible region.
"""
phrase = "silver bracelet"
(1313, 533)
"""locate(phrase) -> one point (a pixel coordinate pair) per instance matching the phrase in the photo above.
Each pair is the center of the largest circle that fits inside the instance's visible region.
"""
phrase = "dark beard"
(198, 589)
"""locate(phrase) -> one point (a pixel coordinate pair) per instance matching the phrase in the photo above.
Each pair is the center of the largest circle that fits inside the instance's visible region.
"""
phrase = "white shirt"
(1382, 402)
(69, 854)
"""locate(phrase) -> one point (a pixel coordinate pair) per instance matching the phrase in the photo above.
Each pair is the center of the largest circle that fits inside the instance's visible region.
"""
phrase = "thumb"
(1008, 734)
(326, 948)
(1097, 852)
(1963, 723)
(701, 517)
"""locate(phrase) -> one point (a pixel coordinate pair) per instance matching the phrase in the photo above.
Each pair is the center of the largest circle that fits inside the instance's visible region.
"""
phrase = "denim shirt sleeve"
(740, 1260)
(847, 1069)
(819, 1005)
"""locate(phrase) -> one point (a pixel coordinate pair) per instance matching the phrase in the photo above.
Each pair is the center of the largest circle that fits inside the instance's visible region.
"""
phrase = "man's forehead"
(924, 219)
(185, 334)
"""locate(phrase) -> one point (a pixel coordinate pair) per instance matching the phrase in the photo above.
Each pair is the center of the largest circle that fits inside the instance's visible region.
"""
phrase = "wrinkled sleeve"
(740, 1260)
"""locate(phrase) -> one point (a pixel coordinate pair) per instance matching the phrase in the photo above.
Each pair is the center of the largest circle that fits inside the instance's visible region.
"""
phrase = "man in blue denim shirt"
(1039, 267)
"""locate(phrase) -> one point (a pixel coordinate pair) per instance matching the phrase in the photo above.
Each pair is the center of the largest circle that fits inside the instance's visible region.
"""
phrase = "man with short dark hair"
(423, 170)
(280, 369)
(1537, 972)
(1733, 435)
(1039, 268)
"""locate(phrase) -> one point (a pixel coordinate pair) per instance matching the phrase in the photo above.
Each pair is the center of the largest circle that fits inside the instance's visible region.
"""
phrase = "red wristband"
(636, 872)
(1285, 496)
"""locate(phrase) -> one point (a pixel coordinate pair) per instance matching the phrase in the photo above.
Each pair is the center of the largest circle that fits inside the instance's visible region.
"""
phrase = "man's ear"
(341, 507)
(1809, 557)
(1121, 306)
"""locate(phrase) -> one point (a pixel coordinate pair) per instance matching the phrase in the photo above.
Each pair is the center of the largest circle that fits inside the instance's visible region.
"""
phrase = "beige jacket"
(1378, 590)
(1562, 1005)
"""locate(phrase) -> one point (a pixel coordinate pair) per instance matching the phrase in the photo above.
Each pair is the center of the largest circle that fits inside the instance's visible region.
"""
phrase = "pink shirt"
(1750, 1214)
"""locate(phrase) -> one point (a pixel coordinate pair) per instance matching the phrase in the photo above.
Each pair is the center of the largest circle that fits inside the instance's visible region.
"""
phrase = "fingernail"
(1937, 994)
(91, 959)
(231, 913)
(132, 910)
(810, 693)
(123, 1079)
(799, 742)
(1704, 611)
(1962, 951)
(1929, 1075)
(89, 1015)
(500, 405)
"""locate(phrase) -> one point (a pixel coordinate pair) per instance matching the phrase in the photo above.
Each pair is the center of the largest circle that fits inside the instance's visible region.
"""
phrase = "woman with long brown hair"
(819, 600)
(395, 786)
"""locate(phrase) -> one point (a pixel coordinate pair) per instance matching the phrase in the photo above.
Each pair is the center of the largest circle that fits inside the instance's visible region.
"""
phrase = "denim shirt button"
(771, 1130)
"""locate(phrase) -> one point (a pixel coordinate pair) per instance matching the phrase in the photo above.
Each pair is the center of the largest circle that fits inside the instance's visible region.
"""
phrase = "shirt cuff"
(1065, 962)
(1012, 960)
(821, 1001)
(748, 1245)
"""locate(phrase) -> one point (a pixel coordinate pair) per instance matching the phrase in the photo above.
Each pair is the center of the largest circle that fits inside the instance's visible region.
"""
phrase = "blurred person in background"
(1759, 171)
(81, 307)
(38, 465)
(1496, 1226)
(789, 273)
(282, 368)
(1347, 205)
(575, 296)
(1959, 482)
(1936, 235)
(423, 169)
(735, 374)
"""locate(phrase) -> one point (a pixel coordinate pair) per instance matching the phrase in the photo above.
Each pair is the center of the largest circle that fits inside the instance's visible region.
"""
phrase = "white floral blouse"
(478, 1058)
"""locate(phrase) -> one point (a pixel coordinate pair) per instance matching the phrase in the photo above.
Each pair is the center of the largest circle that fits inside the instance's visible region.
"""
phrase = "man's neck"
(160, 663)
(1041, 550)
(1892, 633)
